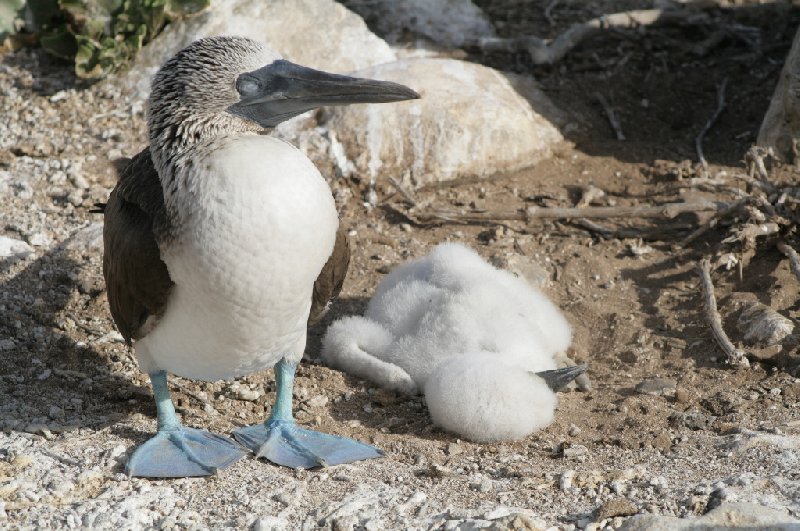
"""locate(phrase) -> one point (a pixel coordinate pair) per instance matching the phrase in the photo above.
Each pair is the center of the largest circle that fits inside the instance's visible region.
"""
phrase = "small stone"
(454, 449)
(657, 386)
(575, 451)
(692, 419)
(14, 249)
(318, 401)
(573, 430)
(270, 523)
(22, 461)
(682, 396)
(567, 477)
(40, 239)
(7, 344)
(247, 394)
(764, 326)
(55, 413)
(616, 507)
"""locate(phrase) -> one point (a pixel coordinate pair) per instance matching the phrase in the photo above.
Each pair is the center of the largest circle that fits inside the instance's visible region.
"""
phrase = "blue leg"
(177, 451)
(281, 441)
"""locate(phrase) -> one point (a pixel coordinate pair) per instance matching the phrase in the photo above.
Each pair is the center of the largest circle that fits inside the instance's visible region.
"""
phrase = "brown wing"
(330, 280)
(137, 281)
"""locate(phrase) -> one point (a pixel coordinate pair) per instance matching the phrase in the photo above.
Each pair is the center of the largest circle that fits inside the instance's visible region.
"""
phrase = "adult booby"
(221, 243)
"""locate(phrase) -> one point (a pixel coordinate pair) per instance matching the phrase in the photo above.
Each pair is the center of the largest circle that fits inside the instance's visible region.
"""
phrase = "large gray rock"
(469, 122)
(727, 516)
(448, 23)
(780, 129)
(322, 34)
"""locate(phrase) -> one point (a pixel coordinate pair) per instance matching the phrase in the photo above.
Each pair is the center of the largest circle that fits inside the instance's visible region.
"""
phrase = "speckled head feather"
(193, 89)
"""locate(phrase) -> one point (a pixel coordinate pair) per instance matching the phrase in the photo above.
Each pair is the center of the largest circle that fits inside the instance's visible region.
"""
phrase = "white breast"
(259, 224)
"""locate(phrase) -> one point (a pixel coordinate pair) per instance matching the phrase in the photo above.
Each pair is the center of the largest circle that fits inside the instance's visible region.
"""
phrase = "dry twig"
(794, 258)
(612, 116)
(544, 52)
(646, 233)
(735, 356)
(405, 193)
(698, 142)
(712, 221)
(548, 11)
(666, 211)
(754, 159)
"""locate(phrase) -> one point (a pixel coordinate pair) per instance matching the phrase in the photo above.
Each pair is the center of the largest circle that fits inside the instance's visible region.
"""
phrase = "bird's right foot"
(183, 452)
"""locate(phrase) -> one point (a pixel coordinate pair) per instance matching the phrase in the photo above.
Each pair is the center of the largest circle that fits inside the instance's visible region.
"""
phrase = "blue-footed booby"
(221, 244)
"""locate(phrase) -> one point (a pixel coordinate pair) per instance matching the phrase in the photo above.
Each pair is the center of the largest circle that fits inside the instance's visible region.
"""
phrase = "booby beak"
(558, 379)
(282, 90)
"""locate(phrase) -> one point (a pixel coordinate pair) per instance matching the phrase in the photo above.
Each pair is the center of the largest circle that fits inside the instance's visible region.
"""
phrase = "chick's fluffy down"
(485, 401)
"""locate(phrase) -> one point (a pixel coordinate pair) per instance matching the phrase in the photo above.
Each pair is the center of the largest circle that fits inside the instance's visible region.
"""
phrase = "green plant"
(102, 35)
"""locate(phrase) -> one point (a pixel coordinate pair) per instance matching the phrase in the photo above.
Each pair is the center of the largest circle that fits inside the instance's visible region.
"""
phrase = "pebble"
(566, 479)
(14, 249)
(682, 396)
(318, 401)
(249, 395)
(454, 449)
(616, 507)
(573, 430)
(575, 451)
(270, 523)
(657, 386)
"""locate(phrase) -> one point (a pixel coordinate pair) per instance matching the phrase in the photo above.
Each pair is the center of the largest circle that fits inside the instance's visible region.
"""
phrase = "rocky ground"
(667, 429)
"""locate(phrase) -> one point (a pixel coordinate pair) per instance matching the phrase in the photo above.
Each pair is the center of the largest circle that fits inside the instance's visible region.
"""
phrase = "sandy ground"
(74, 403)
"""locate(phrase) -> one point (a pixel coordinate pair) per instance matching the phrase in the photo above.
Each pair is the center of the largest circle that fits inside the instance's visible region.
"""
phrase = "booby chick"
(478, 341)
(221, 243)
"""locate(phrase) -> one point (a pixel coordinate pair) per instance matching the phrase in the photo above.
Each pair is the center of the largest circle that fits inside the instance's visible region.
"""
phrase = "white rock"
(270, 523)
(449, 23)
(40, 239)
(469, 122)
(88, 238)
(14, 249)
(321, 34)
(780, 129)
(726, 516)
(764, 326)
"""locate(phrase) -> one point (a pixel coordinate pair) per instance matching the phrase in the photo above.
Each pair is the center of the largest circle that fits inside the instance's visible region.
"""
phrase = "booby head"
(219, 85)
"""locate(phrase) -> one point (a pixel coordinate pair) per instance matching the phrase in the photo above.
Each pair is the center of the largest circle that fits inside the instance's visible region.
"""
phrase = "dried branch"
(735, 356)
(666, 211)
(794, 258)
(544, 52)
(646, 233)
(712, 221)
(548, 12)
(405, 193)
(754, 159)
(612, 116)
(698, 142)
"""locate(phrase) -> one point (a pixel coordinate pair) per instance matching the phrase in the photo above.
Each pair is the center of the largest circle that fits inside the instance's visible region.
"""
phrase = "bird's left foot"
(286, 444)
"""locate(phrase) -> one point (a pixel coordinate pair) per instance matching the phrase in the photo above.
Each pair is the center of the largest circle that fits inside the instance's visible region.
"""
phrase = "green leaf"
(59, 42)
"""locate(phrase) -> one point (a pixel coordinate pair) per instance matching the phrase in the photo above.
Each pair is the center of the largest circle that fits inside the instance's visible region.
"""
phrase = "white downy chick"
(469, 335)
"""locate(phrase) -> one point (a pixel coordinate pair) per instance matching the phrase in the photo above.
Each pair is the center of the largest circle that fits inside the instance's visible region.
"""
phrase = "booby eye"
(247, 85)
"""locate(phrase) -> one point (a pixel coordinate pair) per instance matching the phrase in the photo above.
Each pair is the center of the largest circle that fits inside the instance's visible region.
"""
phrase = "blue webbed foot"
(183, 452)
(286, 444)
